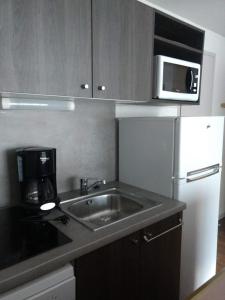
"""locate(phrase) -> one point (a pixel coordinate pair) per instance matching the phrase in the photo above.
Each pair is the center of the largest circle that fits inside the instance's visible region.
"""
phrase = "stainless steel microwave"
(176, 79)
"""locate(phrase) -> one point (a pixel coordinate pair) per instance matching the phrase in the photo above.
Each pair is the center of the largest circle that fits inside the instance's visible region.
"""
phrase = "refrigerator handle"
(202, 173)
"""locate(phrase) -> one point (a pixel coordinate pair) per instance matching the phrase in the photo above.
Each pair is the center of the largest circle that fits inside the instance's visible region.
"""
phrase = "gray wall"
(85, 142)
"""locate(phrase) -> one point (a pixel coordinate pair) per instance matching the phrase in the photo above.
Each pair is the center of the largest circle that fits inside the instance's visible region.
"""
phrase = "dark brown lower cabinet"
(142, 266)
(160, 260)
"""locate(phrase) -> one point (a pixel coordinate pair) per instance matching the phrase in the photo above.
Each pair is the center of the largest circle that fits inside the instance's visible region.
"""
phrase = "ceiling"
(206, 13)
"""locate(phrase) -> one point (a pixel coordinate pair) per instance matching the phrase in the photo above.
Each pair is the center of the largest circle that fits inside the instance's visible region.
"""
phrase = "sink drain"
(105, 219)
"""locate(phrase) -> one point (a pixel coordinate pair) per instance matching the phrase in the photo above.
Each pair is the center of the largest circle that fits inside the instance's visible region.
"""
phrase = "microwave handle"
(189, 79)
(192, 79)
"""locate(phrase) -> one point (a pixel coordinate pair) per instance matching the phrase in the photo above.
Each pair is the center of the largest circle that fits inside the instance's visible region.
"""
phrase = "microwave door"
(179, 82)
(176, 79)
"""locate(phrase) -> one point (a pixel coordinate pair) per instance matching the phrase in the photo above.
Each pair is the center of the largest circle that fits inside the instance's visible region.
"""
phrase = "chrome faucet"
(84, 188)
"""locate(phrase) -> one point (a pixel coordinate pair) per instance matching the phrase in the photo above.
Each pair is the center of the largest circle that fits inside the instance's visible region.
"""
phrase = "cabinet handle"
(148, 237)
(134, 241)
(85, 86)
(101, 88)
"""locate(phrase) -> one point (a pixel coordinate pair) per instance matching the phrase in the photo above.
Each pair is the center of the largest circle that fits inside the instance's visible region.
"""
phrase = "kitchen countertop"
(84, 240)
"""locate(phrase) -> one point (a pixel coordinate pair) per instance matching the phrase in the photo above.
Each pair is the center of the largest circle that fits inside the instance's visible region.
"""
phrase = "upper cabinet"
(89, 48)
(46, 47)
(122, 50)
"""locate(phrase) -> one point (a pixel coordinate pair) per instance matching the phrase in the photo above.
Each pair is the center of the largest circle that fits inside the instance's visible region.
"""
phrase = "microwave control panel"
(192, 82)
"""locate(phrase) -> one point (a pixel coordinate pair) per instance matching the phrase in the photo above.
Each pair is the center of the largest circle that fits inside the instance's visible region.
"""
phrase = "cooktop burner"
(20, 240)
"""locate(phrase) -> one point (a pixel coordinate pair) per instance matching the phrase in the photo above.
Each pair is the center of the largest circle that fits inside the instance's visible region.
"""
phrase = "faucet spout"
(85, 188)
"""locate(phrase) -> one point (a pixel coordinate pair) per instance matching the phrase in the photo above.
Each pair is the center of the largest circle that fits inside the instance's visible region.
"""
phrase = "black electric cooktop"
(21, 238)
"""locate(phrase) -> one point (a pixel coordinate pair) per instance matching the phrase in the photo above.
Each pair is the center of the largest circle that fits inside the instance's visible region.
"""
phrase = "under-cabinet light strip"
(10, 103)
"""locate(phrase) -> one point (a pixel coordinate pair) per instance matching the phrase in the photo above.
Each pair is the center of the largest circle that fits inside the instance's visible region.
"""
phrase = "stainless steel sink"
(101, 210)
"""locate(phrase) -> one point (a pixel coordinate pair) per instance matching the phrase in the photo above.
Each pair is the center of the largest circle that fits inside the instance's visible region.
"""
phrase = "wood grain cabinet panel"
(46, 47)
(160, 261)
(110, 272)
(122, 50)
(132, 268)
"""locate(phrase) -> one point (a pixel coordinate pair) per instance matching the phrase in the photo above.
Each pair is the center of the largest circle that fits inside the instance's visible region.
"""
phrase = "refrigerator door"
(199, 238)
(199, 143)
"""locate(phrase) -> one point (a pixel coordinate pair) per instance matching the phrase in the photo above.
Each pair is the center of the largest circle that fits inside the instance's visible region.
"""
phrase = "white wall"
(215, 44)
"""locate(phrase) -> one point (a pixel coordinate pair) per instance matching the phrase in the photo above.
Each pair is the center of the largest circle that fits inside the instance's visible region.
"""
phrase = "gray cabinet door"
(122, 50)
(46, 47)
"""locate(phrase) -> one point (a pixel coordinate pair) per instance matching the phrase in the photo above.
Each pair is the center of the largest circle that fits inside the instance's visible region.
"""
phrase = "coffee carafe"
(37, 177)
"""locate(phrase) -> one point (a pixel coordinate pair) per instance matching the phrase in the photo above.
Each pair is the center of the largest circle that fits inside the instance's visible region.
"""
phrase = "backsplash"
(84, 139)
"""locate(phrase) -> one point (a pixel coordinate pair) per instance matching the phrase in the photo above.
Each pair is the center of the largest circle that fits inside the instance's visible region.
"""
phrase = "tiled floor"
(221, 246)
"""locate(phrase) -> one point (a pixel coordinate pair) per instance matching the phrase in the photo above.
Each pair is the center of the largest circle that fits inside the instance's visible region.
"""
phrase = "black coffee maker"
(37, 177)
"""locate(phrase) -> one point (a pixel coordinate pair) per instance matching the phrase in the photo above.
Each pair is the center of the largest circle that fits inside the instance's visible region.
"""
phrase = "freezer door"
(199, 143)
(199, 237)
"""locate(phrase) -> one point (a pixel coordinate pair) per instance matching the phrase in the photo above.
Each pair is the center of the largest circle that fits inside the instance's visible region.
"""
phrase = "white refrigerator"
(180, 158)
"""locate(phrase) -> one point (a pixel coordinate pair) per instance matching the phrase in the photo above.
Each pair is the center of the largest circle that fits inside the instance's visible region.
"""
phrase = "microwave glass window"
(175, 78)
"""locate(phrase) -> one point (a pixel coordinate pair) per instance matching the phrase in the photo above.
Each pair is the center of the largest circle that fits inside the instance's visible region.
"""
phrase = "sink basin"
(102, 210)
